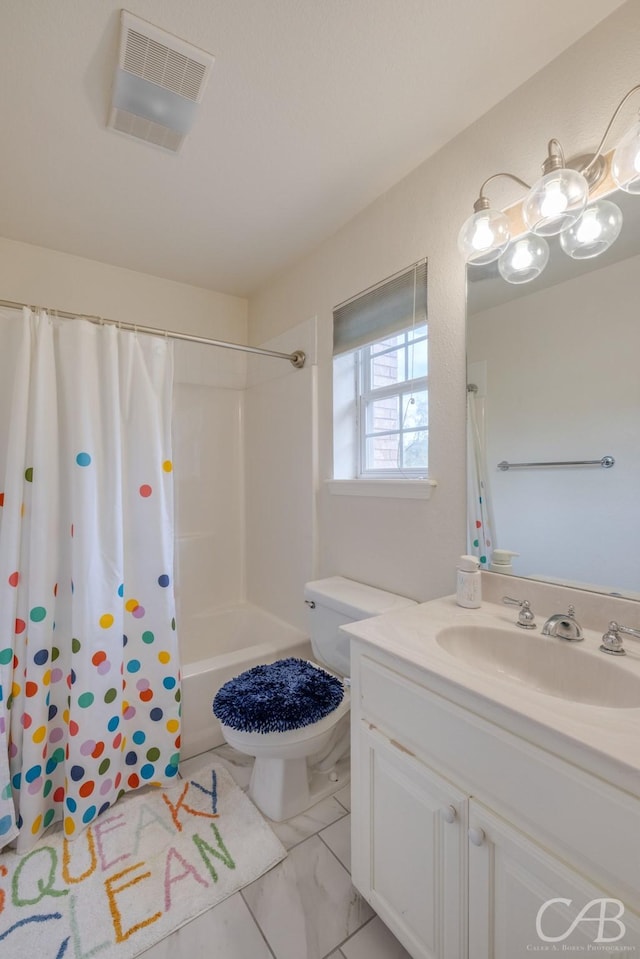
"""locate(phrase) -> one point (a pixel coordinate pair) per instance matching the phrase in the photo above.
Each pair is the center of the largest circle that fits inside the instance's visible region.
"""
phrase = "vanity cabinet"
(462, 831)
(510, 877)
(411, 848)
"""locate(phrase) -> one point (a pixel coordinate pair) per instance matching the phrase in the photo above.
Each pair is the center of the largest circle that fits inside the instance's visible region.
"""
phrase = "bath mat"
(139, 872)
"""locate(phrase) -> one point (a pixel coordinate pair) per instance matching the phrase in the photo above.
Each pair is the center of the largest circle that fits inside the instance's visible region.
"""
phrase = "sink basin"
(551, 666)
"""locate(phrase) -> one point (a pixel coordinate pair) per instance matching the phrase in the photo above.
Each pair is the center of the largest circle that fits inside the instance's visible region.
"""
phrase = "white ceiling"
(314, 108)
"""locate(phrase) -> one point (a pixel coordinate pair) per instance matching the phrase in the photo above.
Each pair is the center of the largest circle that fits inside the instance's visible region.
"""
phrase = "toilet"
(301, 747)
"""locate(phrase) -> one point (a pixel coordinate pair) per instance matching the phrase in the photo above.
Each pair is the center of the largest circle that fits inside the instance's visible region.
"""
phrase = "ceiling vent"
(158, 84)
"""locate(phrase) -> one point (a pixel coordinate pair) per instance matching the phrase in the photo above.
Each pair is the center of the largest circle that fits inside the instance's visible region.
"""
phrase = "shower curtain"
(88, 651)
(479, 509)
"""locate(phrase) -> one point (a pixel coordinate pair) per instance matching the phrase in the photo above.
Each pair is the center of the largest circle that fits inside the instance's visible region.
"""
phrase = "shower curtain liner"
(479, 507)
(89, 671)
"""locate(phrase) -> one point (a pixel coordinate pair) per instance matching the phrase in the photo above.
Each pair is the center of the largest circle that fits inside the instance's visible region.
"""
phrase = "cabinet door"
(409, 842)
(511, 881)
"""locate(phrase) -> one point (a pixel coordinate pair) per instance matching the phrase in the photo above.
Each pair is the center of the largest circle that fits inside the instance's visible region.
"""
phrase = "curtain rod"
(297, 358)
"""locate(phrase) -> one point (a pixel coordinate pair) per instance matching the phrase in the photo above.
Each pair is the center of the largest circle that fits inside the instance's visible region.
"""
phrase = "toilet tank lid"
(353, 599)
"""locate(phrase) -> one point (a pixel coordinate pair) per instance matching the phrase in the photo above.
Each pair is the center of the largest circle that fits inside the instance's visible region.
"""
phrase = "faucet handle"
(526, 618)
(612, 640)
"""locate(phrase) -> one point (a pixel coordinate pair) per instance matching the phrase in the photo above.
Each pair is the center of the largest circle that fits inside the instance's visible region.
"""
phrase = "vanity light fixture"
(486, 234)
(625, 166)
(595, 231)
(557, 204)
(524, 259)
(558, 199)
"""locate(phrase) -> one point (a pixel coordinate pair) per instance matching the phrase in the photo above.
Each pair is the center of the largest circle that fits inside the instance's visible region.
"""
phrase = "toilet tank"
(335, 601)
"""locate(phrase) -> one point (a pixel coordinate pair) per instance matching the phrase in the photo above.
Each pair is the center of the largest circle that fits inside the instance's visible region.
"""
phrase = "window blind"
(384, 309)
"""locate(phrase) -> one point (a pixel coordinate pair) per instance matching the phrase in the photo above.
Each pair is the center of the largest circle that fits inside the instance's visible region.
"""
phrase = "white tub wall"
(209, 457)
(411, 546)
(281, 476)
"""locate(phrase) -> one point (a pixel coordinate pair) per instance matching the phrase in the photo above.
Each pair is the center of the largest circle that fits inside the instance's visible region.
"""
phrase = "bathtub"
(215, 647)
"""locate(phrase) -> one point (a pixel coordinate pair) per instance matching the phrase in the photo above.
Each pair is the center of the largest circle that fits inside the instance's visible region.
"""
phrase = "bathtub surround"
(139, 872)
(281, 475)
(89, 657)
(208, 417)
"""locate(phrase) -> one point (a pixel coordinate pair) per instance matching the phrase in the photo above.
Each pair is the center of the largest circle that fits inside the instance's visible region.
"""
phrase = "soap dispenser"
(469, 582)
(501, 561)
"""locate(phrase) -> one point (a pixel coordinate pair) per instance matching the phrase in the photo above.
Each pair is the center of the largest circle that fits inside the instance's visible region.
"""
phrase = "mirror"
(556, 363)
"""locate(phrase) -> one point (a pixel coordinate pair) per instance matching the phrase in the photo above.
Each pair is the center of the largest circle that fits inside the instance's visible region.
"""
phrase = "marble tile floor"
(303, 908)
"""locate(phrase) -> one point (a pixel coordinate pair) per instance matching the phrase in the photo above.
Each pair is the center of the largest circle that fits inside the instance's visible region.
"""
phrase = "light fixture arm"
(555, 157)
(596, 156)
(482, 203)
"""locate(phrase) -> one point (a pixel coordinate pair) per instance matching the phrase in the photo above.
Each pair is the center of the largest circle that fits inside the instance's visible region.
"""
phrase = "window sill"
(399, 488)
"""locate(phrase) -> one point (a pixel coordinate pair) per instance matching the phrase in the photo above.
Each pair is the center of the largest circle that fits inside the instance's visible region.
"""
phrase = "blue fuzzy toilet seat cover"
(288, 694)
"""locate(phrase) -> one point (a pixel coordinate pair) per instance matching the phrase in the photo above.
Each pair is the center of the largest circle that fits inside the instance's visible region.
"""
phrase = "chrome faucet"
(564, 626)
(612, 640)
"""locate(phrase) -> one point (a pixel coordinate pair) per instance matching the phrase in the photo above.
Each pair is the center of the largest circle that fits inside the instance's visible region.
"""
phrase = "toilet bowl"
(285, 779)
(300, 758)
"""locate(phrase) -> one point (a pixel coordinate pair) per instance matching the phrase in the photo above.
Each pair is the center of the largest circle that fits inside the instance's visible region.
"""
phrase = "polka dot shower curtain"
(479, 508)
(88, 648)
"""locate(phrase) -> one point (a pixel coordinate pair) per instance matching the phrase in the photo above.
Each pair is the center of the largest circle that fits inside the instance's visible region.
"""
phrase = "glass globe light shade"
(484, 236)
(625, 166)
(524, 260)
(595, 231)
(555, 202)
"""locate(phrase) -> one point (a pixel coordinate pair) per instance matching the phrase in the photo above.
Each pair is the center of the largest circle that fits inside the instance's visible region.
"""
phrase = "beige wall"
(405, 545)
(49, 278)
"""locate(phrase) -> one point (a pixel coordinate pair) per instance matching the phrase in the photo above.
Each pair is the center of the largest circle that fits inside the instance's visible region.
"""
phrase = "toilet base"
(284, 788)
(296, 768)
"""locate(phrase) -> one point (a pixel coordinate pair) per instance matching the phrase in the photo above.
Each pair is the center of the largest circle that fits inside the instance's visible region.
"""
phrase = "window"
(380, 381)
(392, 404)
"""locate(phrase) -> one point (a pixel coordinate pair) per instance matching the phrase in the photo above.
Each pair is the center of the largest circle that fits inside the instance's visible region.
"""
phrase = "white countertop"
(602, 740)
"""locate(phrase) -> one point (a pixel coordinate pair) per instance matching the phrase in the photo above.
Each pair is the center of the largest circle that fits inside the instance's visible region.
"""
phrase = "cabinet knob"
(476, 836)
(449, 813)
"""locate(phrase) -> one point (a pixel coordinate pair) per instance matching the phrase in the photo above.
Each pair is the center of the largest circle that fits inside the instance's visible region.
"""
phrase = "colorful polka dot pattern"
(89, 668)
(480, 535)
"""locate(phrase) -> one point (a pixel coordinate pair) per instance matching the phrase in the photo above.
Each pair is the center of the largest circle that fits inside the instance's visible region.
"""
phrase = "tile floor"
(303, 908)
